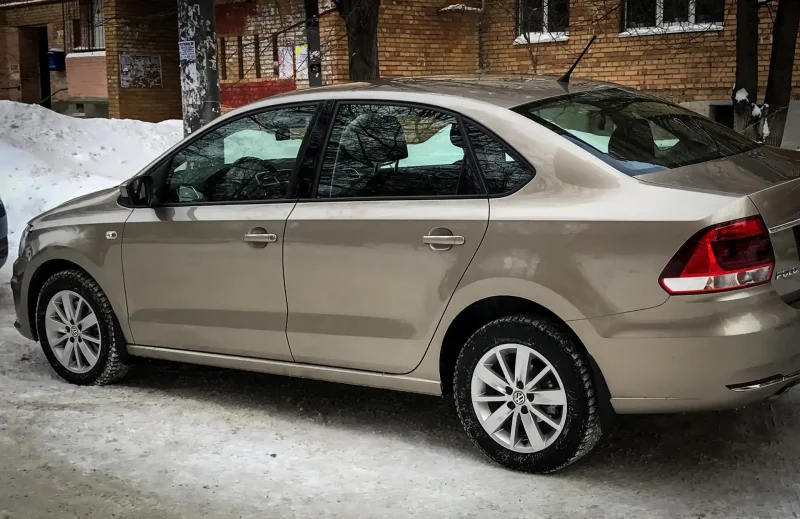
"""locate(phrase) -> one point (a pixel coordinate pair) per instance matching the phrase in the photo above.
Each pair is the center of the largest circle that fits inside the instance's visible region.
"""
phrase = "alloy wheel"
(73, 332)
(519, 398)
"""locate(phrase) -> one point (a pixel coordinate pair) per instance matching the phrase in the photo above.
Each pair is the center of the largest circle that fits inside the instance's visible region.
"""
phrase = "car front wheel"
(525, 395)
(78, 330)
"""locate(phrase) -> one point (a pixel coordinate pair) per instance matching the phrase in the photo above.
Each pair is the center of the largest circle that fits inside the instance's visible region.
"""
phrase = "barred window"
(672, 14)
(542, 17)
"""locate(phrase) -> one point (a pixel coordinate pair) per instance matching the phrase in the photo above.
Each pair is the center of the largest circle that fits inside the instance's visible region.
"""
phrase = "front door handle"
(443, 240)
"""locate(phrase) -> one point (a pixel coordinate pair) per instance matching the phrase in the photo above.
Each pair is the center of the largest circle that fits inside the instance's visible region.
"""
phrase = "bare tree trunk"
(745, 93)
(781, 63)
(361, 20)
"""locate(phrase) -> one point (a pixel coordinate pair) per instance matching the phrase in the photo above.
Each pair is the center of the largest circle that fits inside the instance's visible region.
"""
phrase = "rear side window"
(395, 151)
(636, 133)
(502, 172)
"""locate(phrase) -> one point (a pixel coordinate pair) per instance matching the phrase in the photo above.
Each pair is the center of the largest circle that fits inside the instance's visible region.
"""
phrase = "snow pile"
(47, 158)
(742, 95)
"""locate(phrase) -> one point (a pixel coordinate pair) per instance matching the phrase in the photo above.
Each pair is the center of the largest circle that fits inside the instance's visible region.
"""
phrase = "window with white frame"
(542, 20)
(673, 15)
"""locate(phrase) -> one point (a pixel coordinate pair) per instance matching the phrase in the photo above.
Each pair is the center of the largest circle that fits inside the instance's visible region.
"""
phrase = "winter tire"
(78, 331)
(525, 395)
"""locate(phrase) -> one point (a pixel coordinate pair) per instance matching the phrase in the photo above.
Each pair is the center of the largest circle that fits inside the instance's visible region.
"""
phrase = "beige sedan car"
(549, 254)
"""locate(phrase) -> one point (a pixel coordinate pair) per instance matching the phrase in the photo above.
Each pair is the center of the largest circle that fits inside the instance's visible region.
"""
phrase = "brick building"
(681, 50)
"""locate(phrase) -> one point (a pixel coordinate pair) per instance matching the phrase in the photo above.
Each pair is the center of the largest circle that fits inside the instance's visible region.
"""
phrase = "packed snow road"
(175, 441)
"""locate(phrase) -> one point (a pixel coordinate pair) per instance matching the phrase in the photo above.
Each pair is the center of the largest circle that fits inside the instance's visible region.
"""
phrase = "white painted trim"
(94, 54)
(541, 37)
(675, 28)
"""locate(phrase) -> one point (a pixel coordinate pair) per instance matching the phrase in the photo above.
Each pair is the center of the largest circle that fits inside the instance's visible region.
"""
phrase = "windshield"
(636, 133)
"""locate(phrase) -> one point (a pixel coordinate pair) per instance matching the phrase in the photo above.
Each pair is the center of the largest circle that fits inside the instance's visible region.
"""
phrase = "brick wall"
(49, 15)
(134, 27)
(683, 67)
(9, 49)
(413, 40)
(246, 52)
(87, 76)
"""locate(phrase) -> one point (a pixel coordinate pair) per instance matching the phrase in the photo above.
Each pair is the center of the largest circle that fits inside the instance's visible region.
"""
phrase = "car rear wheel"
(525, 395)
(78, 330)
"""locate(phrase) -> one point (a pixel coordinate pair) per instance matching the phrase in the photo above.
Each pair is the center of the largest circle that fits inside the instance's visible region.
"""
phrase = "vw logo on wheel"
(518, 397)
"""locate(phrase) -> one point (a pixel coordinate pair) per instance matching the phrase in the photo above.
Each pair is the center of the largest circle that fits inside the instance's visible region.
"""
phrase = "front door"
(204, 269)
(372, 260)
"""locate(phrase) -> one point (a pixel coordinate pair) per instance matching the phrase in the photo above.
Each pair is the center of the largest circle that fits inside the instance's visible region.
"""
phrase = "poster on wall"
(301, 61)
(140, 71)
(285, 62)
(187, 50)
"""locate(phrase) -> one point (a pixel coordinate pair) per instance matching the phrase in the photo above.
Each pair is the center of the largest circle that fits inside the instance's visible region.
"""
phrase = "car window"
(249, 159)
(635, 132)
(502, 173)
(395, 151)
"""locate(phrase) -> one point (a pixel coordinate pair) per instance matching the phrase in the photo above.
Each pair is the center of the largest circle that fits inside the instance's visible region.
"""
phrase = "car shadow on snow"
(410, 417)
(667, 449)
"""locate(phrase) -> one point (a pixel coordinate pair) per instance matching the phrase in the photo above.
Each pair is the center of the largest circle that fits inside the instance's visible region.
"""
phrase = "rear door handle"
(260, 238)
(443, 240)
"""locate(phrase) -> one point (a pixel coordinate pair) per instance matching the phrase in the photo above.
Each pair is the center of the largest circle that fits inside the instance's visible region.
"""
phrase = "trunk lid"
(770, 177)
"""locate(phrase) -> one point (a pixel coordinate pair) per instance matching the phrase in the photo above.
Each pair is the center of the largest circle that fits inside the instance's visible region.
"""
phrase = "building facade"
(121, 57)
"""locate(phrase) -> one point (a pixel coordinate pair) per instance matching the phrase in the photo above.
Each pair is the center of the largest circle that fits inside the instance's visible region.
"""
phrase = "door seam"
(283, 273)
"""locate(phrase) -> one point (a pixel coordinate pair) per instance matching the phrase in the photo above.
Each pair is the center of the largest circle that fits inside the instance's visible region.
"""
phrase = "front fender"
(91, 239)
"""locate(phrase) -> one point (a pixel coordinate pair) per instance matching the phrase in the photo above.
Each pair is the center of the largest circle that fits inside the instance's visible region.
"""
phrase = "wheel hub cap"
(518, 398)
(73, 333)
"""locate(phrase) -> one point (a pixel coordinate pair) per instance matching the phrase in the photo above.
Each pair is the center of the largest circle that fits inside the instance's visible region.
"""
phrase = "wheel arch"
(483, 311)
(53, 265)
(39, 277)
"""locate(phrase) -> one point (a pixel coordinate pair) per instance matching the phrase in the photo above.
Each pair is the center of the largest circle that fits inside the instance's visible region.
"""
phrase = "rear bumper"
(697, 352)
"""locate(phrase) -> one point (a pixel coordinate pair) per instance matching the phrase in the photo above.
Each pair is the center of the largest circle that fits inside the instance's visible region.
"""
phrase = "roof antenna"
(567, 74)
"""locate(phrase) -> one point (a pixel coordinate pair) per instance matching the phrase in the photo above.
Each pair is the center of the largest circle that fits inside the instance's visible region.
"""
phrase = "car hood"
(92, 203)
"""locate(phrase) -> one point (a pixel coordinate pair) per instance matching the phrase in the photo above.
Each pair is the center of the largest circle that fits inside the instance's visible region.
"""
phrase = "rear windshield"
(634, 132)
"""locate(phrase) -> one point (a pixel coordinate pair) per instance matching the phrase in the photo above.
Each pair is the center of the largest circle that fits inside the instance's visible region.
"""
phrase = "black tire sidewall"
(106, 324)
(559, 350)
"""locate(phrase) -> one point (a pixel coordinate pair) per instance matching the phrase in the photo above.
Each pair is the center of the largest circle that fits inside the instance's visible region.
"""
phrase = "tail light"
(722, 257)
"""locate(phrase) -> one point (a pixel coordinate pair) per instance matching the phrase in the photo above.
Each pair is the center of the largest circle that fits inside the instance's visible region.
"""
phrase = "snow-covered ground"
(185, 442)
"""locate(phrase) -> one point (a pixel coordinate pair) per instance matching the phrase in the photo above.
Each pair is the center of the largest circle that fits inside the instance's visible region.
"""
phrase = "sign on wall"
(187, 50)
(140, 71)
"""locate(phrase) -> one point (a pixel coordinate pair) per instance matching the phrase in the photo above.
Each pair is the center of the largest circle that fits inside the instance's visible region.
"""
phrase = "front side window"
(542, 20)
(395, 151)
(502, 172)
(634, 132)
(249, 159)
(673, 14)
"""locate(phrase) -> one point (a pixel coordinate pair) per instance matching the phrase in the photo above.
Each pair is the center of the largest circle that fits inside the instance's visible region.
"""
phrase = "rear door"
(373, 257)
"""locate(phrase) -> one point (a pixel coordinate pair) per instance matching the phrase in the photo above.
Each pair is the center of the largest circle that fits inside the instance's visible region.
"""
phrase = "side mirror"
(139, 191)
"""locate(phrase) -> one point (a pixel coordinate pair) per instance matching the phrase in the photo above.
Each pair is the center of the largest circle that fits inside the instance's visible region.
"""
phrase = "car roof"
(503, 91)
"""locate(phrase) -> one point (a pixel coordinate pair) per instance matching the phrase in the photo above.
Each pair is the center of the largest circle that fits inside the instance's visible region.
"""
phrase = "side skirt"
(291, 369)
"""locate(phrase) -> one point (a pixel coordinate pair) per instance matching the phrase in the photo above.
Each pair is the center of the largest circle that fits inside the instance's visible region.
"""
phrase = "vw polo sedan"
(548, 253)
